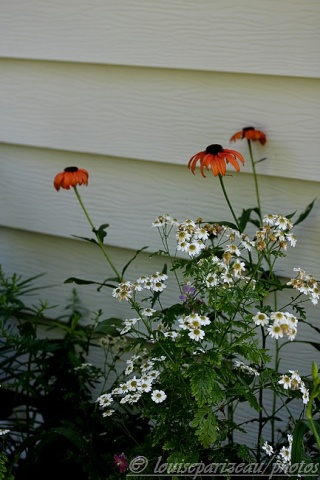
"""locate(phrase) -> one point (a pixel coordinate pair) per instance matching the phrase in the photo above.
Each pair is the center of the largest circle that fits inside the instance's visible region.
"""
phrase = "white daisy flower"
(285, 380)
(194, 248)
(212, 280)
(145, 386)
(158, 396)
(105, 400)
(147, 365)
(269, 219)
(173, 335)
(292, 239)
(133, 384)
(148, 312)
(201, 233)
(196, 334)
(278, 317)
(233, 249)
(261, 319)
(108, 413)
(268, 449)
(275, 331)
(158, 286)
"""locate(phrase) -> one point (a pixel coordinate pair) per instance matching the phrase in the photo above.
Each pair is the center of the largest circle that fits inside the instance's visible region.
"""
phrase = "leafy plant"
(53, 424)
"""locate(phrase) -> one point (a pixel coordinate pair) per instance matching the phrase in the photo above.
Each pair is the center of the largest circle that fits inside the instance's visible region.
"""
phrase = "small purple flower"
(188, 292)
(121, 462)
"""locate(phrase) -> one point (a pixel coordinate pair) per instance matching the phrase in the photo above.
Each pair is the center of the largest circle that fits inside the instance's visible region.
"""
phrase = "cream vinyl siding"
(278, 37)
(130, 90)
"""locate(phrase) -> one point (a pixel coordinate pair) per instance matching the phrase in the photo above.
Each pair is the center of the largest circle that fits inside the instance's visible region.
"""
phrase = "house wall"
(130, 90)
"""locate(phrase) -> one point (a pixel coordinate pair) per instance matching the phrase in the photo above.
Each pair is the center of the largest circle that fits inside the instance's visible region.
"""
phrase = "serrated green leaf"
(205, 423)
(204, 386)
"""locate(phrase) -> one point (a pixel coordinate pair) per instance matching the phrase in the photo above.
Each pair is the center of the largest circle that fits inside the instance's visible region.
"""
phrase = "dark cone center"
(214, 149)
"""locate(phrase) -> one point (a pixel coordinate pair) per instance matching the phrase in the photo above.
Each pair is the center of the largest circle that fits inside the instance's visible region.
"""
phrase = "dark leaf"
(133, 258)
(101, 231)
(261, 160)
(91, 240)
(109, 326)
(305, 213)
(80, 281)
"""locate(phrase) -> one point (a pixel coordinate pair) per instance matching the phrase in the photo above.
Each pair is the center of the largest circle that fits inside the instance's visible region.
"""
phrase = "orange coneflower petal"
(221, 163)
(237, 136)
(236, 155)
(215, 167)
(231, 159)
(57, 181)
(192, 164)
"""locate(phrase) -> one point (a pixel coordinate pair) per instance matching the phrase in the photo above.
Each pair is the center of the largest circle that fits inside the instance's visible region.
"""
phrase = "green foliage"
(47, 390)
(4, 473)
(206, 426)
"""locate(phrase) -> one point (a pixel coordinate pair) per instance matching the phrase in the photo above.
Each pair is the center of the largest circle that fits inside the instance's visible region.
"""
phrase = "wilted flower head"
(249, 133)
(71, 177)
(216, 157)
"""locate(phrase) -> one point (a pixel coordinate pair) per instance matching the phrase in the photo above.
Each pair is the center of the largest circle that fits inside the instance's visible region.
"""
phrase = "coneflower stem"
(97, 236)
(255, 179)
(228, 202)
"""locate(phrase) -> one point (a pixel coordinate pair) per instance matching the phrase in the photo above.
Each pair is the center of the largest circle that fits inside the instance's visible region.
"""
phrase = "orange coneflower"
(216, 157)
(71, 177)
(249, 133)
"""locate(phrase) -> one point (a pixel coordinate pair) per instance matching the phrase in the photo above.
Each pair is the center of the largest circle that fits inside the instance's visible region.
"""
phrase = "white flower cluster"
(191, 238)
(192, 235)
(193, 324)
(245, 368)
(154, 283)
(130, 322)
(294, 382)
(306, 284)
(283, 458)
(283, 323)
(275, 229)
(163, 220)
(4, 431)
(132, 389)
(223, 273)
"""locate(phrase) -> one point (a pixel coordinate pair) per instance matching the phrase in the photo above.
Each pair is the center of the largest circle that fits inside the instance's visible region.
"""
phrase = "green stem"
(255, 179)
(313, 395)
(119, 277)
(228, 202)
(261, 391)
(274, 399)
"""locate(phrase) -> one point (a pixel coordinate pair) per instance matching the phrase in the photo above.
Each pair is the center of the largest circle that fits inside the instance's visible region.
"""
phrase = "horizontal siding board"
(278, 37)
(130, 194)
(29, 253)
(159, 115)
